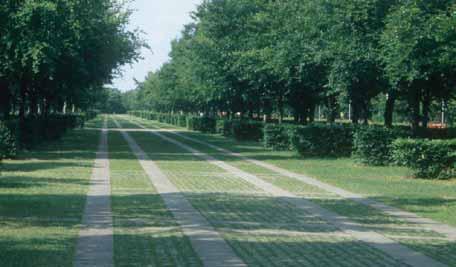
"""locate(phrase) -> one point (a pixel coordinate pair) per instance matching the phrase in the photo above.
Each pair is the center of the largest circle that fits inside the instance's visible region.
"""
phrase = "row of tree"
(260, 57)
(58, 54)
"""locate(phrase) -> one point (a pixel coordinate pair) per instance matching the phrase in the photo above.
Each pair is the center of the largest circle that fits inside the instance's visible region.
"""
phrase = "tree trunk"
(312, 109)
(332, 109)
(426, 108)
(389, 109)
(415, 110)
(280, 107)
(34, 105)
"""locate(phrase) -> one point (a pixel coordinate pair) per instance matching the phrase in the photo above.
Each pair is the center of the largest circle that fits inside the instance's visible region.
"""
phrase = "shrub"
(202, 124)
(7, 142)
(35, 130)
(278, 136)
(427, 158)
(91, 114)
(247, 130)
(220, 126)
(372, 144)
(436, 133)
(323, 140)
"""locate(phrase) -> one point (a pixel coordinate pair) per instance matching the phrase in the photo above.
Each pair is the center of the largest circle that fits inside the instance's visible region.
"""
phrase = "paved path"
(206, 241)
(423, 223)
(95, 243)
(387, 245)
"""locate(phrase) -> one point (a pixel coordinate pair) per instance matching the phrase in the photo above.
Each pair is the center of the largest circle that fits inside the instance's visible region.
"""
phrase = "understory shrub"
(246, 130)
(91, 114)
(278, 136)
(323, 140)
(373, 144)
(52, 127)
(436, 133)
(202, 124)
(427, 158)
(7, 142)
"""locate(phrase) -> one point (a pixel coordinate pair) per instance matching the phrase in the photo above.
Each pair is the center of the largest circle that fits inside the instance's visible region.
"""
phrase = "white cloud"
(162, 21)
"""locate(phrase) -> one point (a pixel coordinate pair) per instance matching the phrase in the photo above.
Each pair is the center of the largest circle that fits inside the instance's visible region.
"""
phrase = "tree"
(418, 41)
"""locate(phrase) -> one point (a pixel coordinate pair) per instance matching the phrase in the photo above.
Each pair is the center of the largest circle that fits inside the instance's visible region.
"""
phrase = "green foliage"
(57, 55)
(109, 101)
(37, 130)
(373, 144)
(202, 124)
(278, 136)
(178, 120)
(224, 127)
(245, 130)
(323, 140)
(427, 158)
(289, 58)
(91, 114)
(7, 142)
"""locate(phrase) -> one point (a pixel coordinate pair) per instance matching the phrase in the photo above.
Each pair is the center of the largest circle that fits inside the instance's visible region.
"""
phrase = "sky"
(161, 21)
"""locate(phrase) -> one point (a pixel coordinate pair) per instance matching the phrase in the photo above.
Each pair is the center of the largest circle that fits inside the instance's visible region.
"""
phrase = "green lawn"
(145, 232)
(263, 230)
(42, 197)
(434, 199)
(342, 172)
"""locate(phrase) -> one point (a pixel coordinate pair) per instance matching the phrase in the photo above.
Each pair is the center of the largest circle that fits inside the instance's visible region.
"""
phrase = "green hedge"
(278, 136)
(7, 142)
(427, 158)
(246, 130)
(36, 130)
(373, 144)
(91, 114)
(202, 124)
(323, 140)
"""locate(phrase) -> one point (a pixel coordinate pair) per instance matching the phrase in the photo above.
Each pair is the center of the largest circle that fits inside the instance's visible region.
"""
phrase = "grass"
(434, 199)
(427, 242)
(42, 197)
(145, 232)
(263, 230)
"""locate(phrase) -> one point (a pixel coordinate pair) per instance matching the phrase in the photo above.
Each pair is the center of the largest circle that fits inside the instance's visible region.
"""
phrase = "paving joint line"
(406, 216)
(95, 242)
(374, 239)
(210, 246)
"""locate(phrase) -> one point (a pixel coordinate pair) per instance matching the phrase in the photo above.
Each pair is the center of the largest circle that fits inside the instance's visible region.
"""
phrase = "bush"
(247, 130)
(323, 140)
(91, 114)
(7, 142)
(202, 124)
(278, 136)
(35, 130)
(427, 158)
(436, 133)
(372, 144)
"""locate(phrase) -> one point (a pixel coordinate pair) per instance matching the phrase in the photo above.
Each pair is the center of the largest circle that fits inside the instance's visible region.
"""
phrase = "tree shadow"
(259, 228)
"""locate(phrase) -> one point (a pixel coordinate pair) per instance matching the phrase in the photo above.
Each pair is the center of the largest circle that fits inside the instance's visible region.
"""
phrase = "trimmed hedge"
(7, 142)
(427, 158)
(323, 140)
(243, 130)
(36, 130)
(373, 144)
(278, 136)
(202, 124)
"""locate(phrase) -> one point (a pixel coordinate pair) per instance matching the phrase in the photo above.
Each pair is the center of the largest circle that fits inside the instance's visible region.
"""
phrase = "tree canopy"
(59, 53)
(261, 58)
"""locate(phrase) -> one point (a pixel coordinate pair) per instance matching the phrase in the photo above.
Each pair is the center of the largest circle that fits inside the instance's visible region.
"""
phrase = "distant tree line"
(56, 55)
(308, 59)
